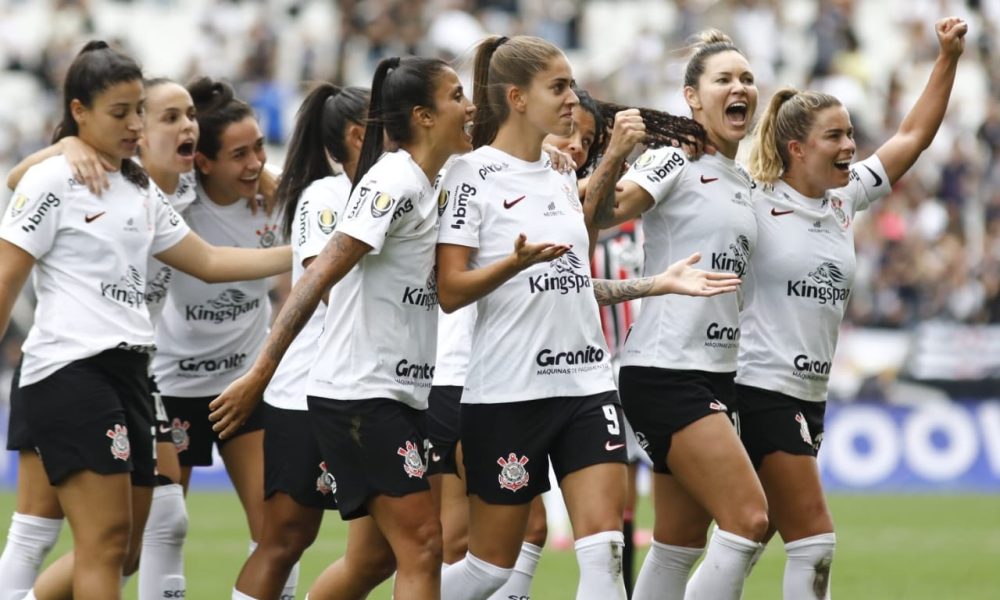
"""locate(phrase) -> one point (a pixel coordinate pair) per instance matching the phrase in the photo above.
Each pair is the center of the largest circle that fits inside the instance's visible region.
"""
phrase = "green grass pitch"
(889, 547)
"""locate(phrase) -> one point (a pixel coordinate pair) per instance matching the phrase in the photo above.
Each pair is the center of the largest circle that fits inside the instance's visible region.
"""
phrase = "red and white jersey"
(380, 332)
(538, 335)
(210, 333)
(800, 282)
(91, 254)
(699, 206)
(316, 217)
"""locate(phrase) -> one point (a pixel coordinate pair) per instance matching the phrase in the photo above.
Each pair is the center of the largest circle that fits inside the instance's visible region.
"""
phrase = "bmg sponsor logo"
(35, 219)
(657, 171)
(459, 212)
(562, 276)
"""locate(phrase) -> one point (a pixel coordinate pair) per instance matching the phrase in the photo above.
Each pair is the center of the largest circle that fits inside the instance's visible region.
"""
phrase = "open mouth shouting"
(737, 113)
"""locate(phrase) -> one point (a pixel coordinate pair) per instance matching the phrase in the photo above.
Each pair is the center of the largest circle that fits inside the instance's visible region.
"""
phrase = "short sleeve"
(369, 215)
(317, 216)
(460, 199)
(170, 228)
(657, 171)
(869, 182)
(31, 219)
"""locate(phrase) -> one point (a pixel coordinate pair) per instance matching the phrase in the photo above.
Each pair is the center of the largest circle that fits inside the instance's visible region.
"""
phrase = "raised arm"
(458, 285)
(86, 163)
(600, 201)
(920, 125)
(679, 278)
(231, 409)
(215, 264)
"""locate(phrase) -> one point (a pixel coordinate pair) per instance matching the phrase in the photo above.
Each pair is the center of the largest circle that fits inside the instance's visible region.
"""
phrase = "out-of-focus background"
(915, 387)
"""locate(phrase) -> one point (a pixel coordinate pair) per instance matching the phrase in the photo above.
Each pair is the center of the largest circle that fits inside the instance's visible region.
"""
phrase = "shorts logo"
(513, 476)
(325, 483)
(326, 219)
(716, 405)
(120, 448)
(179, 434)
(804, 429)
(412, 463)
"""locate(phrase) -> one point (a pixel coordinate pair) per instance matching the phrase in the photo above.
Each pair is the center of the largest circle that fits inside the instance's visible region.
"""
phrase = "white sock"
(29, 541)
(287, 592)
(472, 579)
(755, 558)
(721, 575)
(807, 570)
(518, 586)
(238, 595)
(161, 566)
(665, 571)
(600, 559)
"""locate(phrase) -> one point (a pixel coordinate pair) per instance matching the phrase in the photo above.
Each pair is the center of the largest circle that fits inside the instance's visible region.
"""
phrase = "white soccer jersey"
(699, 206)
(159, 274)
(91, 254)
(210, 334)
(454, 346)
(800, 281)
(317, 215)
(379, 334)
(538, 335)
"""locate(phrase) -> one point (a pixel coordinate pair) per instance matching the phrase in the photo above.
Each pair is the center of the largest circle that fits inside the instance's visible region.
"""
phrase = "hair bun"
(94, 45)
(711, 36)
(208, 94)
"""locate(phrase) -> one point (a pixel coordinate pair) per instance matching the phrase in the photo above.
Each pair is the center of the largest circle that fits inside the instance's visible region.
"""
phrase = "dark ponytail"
(398, 86)
(217, 107)
(95, 69)
(662, 128)
(320, 129)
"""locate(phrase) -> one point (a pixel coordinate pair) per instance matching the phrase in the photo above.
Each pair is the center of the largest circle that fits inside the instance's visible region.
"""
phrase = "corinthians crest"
(513, 476)
(412, 463)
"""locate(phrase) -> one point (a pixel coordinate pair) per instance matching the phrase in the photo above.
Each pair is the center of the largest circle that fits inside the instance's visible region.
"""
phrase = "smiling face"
(113, 122)
(725, 100)
(235, 171)
(549, 99)
(453, 113)
(577, 144)
(823, 159)
(171, 130)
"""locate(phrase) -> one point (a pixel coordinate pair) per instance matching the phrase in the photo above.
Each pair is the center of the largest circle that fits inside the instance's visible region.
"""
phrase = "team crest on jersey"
(572, 196)
(645, 160)
(179, 434)
(413, 464)
(267, 236)
(838, 212)
(443, 196)
(716, 405)
(804, 429)
(120, 448)
(18, 204)
(513, 476)
(325, 483)
(326, 220)
(381, 204)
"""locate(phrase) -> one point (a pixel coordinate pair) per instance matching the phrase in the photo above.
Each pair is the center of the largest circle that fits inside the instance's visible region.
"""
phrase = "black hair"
(95, 69)
(662, 128)
(320, 128)
(398, 86)
(217, 107)
(601, 134)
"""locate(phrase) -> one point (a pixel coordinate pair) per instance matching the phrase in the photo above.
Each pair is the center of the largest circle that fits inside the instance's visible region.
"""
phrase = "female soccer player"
(539, 384)
(369, 386)
(679, 360)
(297, 484)
(800, 281)
(83, 377)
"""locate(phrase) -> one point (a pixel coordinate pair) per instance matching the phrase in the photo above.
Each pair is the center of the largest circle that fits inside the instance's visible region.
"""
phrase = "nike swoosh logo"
(166, 429)
(612, 447)
(708, 179)
(89, 218)
(777, 213)
(511, 203)
(878, 180)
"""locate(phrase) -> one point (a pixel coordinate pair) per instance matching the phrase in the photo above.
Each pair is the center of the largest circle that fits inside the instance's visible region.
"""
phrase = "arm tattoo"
(604, 197)
(338, 257)
(613, 291)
